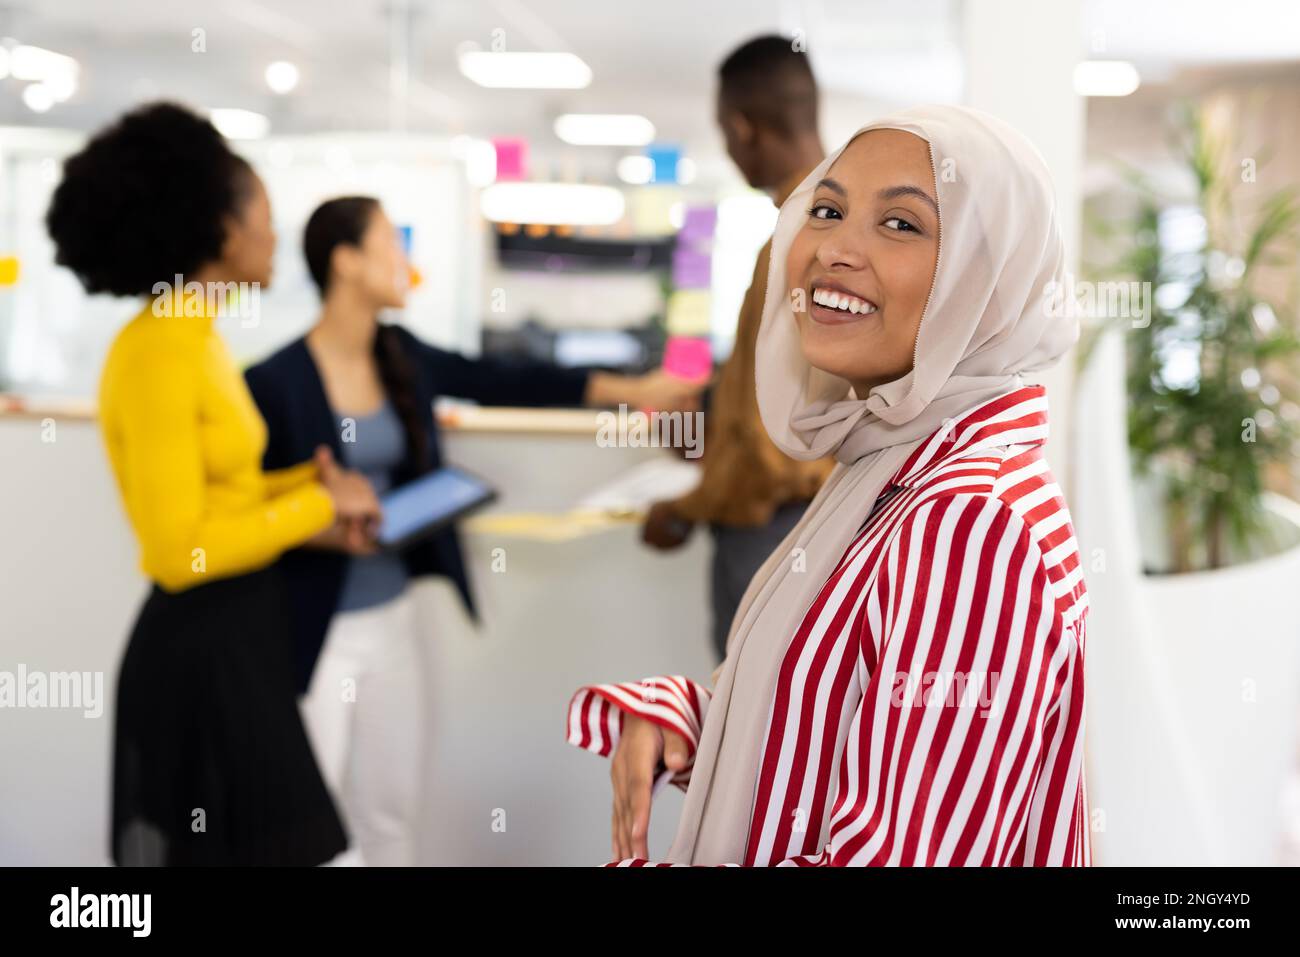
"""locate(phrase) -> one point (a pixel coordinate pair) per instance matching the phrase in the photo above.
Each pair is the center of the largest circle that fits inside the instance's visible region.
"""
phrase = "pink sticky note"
(512, 158)
(688, 357)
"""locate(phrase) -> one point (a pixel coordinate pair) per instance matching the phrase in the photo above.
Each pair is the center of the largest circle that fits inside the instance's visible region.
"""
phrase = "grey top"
(374, 445)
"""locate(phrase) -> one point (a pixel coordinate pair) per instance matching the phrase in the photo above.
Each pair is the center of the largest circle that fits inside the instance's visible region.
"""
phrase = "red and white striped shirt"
(936, 714)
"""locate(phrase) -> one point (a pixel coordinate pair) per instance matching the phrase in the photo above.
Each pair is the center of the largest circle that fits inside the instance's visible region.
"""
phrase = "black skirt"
(211, 764)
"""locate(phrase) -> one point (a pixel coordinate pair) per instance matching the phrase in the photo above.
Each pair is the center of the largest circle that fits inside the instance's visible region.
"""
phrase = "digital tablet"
(430, 503)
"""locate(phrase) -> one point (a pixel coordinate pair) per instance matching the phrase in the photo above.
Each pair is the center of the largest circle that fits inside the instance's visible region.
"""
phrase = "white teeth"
(842, 302)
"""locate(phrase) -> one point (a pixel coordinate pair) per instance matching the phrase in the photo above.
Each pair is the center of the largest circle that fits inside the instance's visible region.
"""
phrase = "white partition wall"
(53, 336)
(422, 184)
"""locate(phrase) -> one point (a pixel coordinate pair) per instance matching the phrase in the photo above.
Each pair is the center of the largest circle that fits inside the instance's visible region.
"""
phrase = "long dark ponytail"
(343, 222)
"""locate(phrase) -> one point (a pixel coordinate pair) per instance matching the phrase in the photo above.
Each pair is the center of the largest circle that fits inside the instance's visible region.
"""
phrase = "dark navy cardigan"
(288, 390)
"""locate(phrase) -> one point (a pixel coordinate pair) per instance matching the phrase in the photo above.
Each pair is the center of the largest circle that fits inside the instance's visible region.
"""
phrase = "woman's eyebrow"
(893, 192)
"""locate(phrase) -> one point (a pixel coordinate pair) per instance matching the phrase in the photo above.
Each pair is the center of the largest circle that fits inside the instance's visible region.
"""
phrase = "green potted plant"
(1210, 368)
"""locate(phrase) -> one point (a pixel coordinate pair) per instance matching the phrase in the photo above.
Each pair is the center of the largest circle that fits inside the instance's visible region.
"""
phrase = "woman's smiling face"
(861, 266)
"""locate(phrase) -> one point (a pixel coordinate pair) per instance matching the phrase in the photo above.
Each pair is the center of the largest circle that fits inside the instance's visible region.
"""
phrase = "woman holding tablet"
(366, 390)
(210, 764)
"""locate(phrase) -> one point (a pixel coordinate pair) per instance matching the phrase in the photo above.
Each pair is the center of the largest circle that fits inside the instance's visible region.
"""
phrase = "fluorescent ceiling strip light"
(240, 124)
(525, 71)
(604, 129)
(556, 204)
(1105, 78)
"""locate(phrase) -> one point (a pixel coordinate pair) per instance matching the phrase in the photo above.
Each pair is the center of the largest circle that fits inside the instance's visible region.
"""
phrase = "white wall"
(53, 337)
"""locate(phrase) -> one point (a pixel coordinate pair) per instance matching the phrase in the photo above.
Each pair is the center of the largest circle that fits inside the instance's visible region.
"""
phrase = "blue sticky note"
(665, 158)
(404, 237)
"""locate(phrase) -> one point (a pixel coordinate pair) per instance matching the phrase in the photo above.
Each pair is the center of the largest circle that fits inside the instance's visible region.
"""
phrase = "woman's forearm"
(608, 388)
(654, 390)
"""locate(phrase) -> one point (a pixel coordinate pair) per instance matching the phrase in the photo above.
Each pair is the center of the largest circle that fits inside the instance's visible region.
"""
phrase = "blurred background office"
(556, 175)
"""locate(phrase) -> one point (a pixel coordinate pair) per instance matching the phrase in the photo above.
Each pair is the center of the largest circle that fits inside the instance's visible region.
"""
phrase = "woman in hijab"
(904, 677)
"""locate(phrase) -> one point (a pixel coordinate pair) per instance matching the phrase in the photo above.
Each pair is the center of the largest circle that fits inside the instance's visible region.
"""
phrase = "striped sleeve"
(964, 747)
(672, 702)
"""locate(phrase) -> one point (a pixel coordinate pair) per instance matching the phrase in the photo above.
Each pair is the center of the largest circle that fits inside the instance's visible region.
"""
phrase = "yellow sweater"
(185, 442)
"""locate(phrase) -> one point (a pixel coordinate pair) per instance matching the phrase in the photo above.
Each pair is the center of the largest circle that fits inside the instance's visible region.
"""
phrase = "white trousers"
(364, 716)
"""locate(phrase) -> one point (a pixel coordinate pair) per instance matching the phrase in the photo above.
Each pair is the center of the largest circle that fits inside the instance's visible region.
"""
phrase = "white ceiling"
(1161, 35)
(656, 58)
(643, 55)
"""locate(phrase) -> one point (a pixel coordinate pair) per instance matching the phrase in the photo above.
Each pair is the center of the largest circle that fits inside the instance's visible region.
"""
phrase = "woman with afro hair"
(211, 764)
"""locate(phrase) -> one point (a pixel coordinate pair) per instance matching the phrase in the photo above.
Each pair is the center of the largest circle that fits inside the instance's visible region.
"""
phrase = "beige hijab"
(986, 322)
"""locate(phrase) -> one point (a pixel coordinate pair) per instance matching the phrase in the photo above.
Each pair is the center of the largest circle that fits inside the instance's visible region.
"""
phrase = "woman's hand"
(666, 392)
(659, 391)
(642, 747)
(355, 504)
(349, 537)
(664, 528)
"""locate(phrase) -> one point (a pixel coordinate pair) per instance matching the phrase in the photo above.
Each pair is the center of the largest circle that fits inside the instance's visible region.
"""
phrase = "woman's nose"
(842, 251)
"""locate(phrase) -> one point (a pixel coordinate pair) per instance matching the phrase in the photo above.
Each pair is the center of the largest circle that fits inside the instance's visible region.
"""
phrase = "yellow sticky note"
(651, 210)
(688, 312)
(9, 270)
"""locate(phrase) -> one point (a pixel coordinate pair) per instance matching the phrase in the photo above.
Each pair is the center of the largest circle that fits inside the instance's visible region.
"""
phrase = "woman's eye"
(824, 212)
(900, 224)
